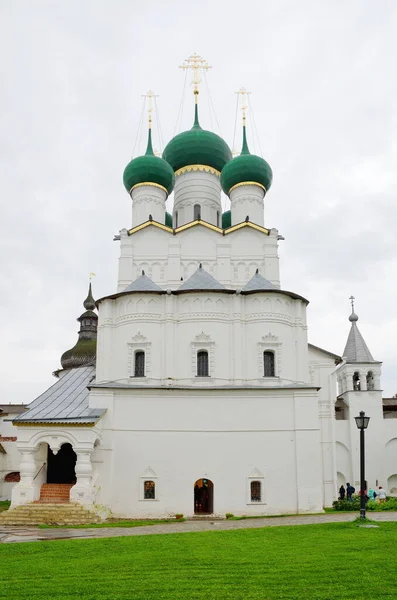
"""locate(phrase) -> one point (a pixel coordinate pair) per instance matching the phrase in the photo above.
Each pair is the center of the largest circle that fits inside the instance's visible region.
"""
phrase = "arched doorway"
(203, 497)
(61, 466)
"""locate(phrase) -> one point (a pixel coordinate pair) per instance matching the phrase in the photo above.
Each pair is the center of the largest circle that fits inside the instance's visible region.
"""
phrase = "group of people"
(371, 495)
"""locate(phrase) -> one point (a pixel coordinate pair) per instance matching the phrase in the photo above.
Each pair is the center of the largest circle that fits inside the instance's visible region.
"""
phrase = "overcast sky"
(322, 77)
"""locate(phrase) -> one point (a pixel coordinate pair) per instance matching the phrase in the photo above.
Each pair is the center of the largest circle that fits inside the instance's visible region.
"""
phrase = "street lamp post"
(362, 424)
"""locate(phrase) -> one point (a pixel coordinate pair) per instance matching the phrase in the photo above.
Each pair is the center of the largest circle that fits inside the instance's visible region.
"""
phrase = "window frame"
(269, 353)
(139, 352)
(259, 482)
(151, 481)
(203, 352)
(198, 217)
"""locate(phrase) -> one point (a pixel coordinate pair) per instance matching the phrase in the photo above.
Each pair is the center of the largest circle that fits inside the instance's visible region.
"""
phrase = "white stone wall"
(232, 258)
(175, 437)
(247, 200)
(148, 200)
(9, 462)
(197, 188)
(235, 329)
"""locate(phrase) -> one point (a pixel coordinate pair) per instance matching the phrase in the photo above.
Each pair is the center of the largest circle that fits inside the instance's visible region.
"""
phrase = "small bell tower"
(359, 388)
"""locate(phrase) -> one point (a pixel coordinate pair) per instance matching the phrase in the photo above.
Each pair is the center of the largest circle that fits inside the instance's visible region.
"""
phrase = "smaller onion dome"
(246, 169)
(199, 147)
(168, 220)
(84, 352)
(227, 219)
(149, 170)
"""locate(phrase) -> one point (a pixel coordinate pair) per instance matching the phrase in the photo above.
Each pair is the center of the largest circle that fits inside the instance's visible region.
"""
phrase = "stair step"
(52, 514)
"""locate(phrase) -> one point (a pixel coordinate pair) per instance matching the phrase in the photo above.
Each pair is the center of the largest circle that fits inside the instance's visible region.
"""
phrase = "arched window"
(196, 212)
(149, 490)
(268, 364)
(256, 491)
(218, 218)
(202, 363)
(356, 381)
(139, 367)
(176, 219)
(370, 381)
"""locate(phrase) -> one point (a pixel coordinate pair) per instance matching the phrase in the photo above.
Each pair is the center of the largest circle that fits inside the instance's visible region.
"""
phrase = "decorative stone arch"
(54, 438)
(391, 443)
(392, 484)
(139, 343)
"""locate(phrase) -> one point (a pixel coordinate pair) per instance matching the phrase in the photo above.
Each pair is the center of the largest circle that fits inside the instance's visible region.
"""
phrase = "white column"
(197, 187)
(82, 491)
(26, 490)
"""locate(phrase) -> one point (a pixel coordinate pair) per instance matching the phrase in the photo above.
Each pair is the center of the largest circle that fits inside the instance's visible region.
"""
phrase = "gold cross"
(195, 62)
(352, 299)
(244, 96)
(150, 95)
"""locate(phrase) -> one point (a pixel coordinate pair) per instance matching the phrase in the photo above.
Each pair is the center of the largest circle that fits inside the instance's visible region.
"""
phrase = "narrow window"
(356, 382)
(370, 381)
(149, 490)
(202, 363)
(176, 219)
(196, 212)
(256, 491)
(139, 370)
(268, 364)
(217, 218)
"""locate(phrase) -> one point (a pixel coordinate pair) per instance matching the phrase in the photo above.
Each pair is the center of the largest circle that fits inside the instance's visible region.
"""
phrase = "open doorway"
(61, 466)
(203, 497)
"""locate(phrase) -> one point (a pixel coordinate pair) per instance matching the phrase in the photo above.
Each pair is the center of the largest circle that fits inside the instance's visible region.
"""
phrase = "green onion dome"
(197, 147)
(84, 352)
(246, 169)
(168, 219)
(149, 170)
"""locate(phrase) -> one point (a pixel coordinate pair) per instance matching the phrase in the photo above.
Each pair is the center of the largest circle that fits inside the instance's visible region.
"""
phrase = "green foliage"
(372, 505)
(229, 515)
(337, 561)
(390, 504)
(4, 505)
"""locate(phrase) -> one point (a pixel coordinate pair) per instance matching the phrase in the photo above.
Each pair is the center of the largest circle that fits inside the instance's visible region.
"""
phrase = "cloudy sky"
(323, 85)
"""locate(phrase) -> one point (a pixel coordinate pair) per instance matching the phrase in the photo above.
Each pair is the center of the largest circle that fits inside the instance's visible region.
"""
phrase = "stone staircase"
(49, 514)
(55, 493)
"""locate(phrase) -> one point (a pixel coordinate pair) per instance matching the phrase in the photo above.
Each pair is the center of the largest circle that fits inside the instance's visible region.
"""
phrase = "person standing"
(350, 491)
(381, 494)
(342, 492)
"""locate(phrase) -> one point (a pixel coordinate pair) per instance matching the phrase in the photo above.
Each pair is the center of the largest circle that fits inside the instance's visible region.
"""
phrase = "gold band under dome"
(157, 185)
(189, 168)
(247, 183)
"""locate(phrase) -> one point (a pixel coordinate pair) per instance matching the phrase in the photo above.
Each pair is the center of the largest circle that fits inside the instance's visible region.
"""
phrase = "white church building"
(193, 389)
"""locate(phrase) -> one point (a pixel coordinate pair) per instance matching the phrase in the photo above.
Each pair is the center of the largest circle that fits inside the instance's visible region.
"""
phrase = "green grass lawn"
(128, 523)
(323, 562)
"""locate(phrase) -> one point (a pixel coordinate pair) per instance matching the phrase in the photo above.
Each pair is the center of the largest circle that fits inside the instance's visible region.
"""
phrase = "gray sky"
(324, 87)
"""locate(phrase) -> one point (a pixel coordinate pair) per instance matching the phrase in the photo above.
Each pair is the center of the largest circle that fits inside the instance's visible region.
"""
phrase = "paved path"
(10, 534)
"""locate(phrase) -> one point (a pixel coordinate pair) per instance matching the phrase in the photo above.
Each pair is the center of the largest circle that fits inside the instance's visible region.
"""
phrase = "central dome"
(197, 146)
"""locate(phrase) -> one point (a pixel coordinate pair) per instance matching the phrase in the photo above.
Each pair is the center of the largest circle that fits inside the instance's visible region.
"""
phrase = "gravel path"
(32, 534)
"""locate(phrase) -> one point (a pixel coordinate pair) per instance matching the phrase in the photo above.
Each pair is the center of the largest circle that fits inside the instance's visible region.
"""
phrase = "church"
(193, 388)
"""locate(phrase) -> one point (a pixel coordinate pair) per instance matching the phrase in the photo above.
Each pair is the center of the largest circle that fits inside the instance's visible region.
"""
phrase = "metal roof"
(356, 350)
(143, 284)
(258, 283)
(65, 401)
(201, 280)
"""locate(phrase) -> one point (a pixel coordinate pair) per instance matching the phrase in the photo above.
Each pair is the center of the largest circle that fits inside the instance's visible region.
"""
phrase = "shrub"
(229, 515)
(354, 505)
(390, 504)
(179, 516)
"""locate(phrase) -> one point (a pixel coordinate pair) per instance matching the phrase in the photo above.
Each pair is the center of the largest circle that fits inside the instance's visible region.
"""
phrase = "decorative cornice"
(198, 222)
(247, 224)
(157, 185)
(147, 224)
(189, 168)
(247, 183)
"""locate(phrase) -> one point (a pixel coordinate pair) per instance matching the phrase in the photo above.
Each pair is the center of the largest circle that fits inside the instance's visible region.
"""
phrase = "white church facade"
(193, 389)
